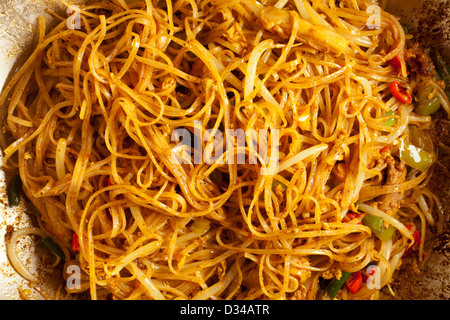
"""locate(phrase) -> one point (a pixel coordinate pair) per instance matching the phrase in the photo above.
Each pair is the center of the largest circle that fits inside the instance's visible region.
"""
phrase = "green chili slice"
(336, 284)
(428, 102)
(53, 247)
(376, 224)
(416, 157)
(390, 122)
(14, 190)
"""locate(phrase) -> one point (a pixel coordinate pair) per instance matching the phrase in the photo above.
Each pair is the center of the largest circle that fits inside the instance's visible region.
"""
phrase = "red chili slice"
(354, 283)
(108, 182)
(366, 276)
(396, 62)
(385, 148)
(400, 93)
(353, 215)
(75, 242)
(417, 240)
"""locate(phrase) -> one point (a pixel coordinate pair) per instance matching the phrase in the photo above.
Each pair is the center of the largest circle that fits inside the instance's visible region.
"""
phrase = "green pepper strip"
(415, 157)
(336, 284)
(375, 224)
(425, 105)
(14, 189)
(53, 247)
(428, 106)
(390, 122)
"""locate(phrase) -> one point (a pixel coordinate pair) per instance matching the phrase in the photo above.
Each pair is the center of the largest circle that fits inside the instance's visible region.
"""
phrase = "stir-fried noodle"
(223, 149)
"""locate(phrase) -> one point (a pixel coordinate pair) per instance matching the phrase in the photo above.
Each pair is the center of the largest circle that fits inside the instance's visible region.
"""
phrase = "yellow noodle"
(301, 86)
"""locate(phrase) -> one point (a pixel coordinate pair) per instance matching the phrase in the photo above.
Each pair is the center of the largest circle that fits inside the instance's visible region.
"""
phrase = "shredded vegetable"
(14, 190)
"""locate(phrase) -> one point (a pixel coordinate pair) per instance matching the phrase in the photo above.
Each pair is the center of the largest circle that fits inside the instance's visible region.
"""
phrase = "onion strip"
(13, 254)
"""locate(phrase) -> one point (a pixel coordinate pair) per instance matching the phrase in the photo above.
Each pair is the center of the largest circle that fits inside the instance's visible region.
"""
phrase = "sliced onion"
(13, 256)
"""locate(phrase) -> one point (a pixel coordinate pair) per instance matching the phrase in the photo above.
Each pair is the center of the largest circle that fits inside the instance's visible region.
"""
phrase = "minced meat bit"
(419, 61)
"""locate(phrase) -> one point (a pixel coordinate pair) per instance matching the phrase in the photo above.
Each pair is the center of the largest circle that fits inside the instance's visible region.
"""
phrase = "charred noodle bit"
(92, 121)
